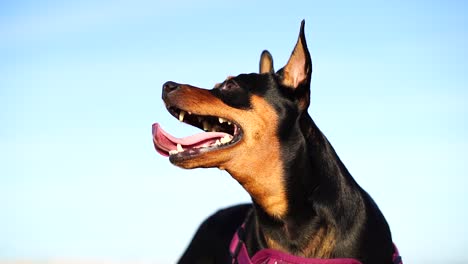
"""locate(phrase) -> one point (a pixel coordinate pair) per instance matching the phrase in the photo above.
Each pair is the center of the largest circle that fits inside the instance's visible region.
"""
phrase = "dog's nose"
(169, 87)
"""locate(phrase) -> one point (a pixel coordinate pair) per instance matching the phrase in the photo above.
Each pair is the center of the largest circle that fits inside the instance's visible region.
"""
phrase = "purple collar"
(270, 256)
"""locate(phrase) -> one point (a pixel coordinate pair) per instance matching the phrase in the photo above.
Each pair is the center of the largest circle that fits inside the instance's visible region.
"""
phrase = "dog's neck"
(320, 182)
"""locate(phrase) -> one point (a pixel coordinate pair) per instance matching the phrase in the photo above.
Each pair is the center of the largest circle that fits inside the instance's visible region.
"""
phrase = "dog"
(306, 207)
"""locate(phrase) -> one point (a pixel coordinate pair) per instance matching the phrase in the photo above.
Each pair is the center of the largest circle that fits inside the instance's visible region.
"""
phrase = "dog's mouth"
(220, 133)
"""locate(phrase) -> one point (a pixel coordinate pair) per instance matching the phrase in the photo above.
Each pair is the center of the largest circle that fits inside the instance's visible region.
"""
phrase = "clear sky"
(80, 85)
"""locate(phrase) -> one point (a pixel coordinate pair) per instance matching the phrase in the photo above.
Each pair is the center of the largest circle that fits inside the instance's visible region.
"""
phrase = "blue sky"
(80, 86)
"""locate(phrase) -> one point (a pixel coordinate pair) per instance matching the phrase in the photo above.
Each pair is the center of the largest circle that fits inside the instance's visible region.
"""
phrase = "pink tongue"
(164, 142)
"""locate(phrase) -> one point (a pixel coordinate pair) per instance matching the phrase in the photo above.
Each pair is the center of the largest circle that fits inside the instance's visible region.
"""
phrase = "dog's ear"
(266, 62)
(297, 72)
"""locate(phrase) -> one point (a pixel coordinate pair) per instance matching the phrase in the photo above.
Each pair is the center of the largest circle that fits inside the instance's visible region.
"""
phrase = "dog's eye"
(229, 85)
(232, 94)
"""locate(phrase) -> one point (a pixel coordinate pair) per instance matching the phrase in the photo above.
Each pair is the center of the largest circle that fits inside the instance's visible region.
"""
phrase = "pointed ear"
(298, 70)
(266, 62)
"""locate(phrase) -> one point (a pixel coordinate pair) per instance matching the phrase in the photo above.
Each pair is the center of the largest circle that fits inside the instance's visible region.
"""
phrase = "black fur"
(320, 190)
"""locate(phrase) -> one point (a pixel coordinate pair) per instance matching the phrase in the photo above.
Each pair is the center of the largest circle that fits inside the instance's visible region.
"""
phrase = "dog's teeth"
(172, 152)
(181, 116)
(226, 139)
(179, 148)
(221, 120)
(189, 112)
(217, 143)
(206, 125)
(229, 122)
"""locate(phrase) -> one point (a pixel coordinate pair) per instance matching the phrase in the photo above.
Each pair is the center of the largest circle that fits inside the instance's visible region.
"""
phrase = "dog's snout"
(169, 87)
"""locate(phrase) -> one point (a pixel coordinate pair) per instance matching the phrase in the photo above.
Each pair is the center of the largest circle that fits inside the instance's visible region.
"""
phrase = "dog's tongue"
(164, 142)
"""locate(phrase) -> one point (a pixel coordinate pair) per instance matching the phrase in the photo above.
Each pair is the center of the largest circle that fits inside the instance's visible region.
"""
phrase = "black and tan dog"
(304, 200)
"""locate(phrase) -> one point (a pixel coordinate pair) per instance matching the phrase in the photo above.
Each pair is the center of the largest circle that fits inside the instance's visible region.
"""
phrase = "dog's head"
(253, 123)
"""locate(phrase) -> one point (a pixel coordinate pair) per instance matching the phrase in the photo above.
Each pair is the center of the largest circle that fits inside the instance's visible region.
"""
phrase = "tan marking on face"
(258, 166)
(255, 161)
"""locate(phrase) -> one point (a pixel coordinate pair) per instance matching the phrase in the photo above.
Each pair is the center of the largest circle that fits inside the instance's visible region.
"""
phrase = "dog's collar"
(270, 256)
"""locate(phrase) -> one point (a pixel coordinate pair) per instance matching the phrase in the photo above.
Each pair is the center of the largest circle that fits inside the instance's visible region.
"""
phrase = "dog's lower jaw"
(265, 186)
(193, 163)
